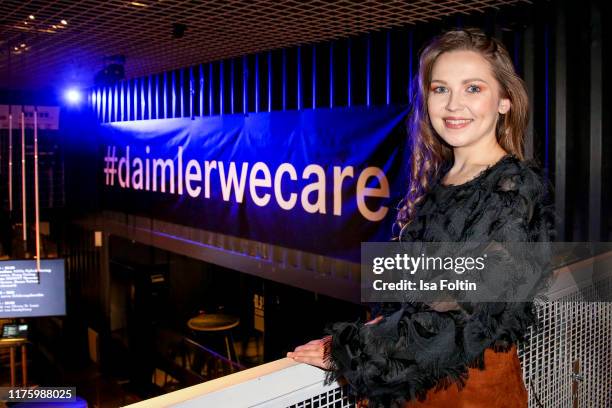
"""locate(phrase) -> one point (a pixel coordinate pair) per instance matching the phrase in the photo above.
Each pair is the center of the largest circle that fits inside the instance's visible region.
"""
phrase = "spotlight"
(73, 96)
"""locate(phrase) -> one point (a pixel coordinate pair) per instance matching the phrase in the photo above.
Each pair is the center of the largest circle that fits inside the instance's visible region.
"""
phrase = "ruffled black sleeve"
(417, 348)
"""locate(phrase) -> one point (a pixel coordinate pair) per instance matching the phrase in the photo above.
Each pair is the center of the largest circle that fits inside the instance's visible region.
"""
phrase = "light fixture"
(23, 45)
(64, 22)
(73, 96)
(54, 26)
(31, 17)
(138, 4)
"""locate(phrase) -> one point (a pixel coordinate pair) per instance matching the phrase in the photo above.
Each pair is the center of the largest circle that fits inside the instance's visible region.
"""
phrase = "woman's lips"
(456, 123)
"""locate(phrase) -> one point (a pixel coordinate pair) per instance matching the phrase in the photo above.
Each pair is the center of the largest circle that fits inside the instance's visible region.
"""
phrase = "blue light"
(73, 96)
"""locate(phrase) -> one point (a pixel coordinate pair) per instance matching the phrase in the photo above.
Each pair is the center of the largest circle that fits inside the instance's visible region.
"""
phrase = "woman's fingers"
(307, 351)
(316, 361)
(311, 345)
(312, 353)
(318, 344)
(313, 357)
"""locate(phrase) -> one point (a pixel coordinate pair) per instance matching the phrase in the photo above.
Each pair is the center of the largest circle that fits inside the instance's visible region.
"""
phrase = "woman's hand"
(313, 352)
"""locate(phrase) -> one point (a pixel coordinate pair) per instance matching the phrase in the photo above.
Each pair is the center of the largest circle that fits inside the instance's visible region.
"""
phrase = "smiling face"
(464, 99)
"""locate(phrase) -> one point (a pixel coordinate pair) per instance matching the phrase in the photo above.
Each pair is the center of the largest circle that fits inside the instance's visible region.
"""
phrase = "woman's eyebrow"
(473, 80)
(465, 81)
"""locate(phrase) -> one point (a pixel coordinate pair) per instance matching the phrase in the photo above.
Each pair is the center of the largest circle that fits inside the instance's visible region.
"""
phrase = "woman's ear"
(504, 106)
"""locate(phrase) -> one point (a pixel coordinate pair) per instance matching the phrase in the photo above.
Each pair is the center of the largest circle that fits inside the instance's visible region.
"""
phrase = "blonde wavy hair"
(428, 152)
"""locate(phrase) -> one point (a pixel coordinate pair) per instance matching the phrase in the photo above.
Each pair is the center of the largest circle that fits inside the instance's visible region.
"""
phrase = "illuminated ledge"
(280, 383)
(328, 276)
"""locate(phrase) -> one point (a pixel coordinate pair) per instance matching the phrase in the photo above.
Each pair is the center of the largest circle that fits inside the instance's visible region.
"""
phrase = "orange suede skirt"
(499, 385)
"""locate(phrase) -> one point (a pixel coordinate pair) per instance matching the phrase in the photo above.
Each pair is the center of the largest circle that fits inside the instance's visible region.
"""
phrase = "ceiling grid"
(39, 51)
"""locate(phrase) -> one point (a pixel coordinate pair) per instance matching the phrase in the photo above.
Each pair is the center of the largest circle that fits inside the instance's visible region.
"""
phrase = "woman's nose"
(454, 102)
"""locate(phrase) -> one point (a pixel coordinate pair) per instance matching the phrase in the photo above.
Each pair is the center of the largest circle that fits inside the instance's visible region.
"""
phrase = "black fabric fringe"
(417, 349)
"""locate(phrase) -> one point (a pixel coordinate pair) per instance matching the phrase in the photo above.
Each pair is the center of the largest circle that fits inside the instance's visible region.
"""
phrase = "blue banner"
(319, 180)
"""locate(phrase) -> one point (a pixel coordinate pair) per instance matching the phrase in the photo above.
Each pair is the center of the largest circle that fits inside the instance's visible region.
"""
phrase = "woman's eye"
(473, 89)
(438, 89)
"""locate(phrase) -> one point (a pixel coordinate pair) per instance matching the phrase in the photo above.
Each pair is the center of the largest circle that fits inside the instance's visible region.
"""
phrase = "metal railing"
(566, 363)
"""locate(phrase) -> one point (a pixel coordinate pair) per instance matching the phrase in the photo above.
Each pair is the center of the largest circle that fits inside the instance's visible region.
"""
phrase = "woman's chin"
(454, 141)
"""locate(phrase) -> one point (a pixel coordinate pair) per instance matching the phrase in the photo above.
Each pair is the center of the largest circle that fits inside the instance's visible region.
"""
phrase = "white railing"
(567, 363)
(281, 383)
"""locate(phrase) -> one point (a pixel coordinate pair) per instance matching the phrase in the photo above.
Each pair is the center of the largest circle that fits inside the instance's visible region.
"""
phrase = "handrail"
(256, 386)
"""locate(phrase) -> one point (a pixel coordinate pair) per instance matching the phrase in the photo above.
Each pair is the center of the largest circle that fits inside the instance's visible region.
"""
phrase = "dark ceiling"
(53, 43)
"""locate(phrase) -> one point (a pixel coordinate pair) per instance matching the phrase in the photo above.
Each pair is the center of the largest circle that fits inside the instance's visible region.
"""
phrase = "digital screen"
(14, 330)
(26, 292)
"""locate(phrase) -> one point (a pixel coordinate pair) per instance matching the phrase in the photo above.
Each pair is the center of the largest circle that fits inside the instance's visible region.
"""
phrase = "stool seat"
(217, 323)
(213, 322)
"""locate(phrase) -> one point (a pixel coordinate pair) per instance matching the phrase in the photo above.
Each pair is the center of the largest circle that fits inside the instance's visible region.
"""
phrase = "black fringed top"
(416, 348)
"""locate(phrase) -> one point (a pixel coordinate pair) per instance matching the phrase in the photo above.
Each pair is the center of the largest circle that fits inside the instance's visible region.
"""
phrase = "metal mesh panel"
(570, 357)
(331, 399)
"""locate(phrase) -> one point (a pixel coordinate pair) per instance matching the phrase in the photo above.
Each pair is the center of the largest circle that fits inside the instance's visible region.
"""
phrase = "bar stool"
(217, 323)
(13, 345)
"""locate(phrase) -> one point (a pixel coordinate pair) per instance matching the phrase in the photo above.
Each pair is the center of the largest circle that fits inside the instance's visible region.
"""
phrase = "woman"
(468, 182)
